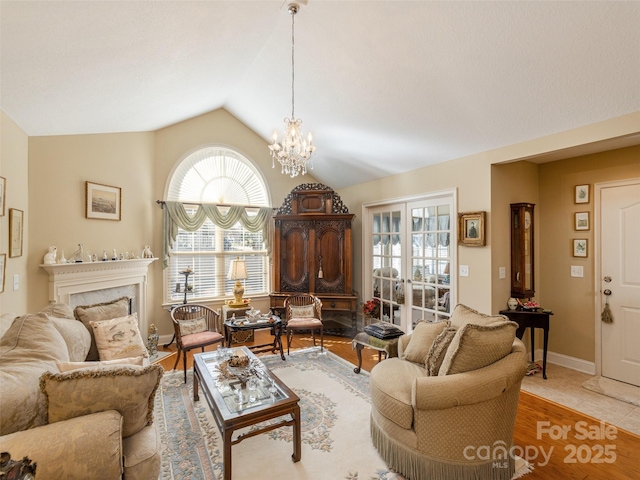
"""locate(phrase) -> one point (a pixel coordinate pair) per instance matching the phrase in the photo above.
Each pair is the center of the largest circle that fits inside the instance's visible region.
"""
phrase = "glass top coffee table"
(242, 392)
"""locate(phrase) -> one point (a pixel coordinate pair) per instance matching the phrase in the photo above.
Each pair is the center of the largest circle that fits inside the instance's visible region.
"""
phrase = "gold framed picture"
(580, 247)
(16, 222)
(103, 202)
(582, 194)
(471, 229)
(581, 220)
(3, 194)
(3, 270)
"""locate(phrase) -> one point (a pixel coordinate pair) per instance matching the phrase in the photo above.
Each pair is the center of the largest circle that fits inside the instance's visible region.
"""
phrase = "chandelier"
(294, 151)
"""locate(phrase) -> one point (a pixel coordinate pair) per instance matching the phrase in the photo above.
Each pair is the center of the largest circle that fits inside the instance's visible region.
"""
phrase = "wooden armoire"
(312, 253)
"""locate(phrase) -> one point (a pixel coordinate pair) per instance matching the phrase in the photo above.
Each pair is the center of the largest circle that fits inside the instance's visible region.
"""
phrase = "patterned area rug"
(335, 410)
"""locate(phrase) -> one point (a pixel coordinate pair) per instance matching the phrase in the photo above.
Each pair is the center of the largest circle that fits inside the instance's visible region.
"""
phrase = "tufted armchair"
(453, 388)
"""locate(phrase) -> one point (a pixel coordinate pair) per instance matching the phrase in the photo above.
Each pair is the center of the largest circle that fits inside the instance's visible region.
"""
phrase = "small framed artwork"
(471, 229)
(16, 222)
(3, 194)
(3, 267)
(582, 194)
(103, 202)
(579, 247)
(581, 220)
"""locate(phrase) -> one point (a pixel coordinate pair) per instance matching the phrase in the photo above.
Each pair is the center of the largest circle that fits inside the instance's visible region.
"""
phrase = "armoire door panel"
(294, 258)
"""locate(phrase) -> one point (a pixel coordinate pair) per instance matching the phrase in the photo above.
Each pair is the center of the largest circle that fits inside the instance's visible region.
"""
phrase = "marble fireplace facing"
(88, 283)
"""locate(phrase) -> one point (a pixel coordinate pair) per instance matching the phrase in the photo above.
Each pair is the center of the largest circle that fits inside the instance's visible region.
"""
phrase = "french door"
(409, 260)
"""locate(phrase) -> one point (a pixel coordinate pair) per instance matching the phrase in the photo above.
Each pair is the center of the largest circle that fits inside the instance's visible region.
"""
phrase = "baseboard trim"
(573, 363)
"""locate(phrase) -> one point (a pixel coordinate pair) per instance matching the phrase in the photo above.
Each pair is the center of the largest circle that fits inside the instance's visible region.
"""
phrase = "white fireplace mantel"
(68, 279)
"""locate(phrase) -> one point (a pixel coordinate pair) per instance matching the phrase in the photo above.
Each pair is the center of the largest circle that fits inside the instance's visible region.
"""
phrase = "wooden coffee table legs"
(297, 436)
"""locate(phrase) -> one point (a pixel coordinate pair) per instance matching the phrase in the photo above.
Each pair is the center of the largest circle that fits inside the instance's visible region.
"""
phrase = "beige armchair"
(453, 389)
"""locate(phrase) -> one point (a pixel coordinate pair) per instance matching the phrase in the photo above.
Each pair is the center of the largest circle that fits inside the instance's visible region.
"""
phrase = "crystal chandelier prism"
(294, 151)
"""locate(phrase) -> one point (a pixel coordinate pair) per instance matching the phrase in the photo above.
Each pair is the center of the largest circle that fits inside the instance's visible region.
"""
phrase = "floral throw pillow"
(119, 338)
(197, 325)
(306, 311)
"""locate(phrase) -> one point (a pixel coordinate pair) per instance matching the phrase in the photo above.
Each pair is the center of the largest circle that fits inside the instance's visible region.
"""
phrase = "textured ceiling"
(385, 86)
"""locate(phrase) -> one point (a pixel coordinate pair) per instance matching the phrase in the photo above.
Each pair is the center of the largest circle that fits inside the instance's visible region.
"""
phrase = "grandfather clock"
(522, 265)
(312, 253)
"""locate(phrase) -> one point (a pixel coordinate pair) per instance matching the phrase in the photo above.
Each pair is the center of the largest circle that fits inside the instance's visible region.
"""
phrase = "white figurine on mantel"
(62, 259)
(50, 256)
(89, 257)
(94, 257)
(104, 256)
(114, 256)
(147, 253)
(76, 257)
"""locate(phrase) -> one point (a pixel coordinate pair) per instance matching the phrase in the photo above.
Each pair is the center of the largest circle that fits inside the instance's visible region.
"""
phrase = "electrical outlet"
(576, 271)
(464, 270)
(502, 272)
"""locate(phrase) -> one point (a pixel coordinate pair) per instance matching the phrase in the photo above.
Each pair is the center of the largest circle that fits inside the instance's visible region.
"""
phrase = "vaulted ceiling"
(385, 86)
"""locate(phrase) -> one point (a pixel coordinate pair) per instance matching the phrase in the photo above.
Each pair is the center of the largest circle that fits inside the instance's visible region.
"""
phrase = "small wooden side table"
(532, 319)
(227, 313)
(363, 340)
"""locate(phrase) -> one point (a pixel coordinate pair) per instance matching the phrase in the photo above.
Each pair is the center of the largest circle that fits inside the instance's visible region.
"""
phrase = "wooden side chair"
(195, 326)
(303, 312)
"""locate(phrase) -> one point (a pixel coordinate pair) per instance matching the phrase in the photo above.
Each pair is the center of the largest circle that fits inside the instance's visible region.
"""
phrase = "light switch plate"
(464, 270)
(576, 271)
(502, 272)
(16, 281)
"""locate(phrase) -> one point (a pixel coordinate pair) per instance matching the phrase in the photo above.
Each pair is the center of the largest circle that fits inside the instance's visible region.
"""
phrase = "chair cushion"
(305, 311)
(196, 325)
(100, 311)
(462, 315)
(476, 346)
(201, 338)
(438, 350)
(304, 323)
(129, 390)
(390, 385)
(119, 338)
(75, 335)
(421, 340)
(68, 366)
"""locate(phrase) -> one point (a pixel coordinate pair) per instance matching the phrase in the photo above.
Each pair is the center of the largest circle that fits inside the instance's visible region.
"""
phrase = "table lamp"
(237, 272)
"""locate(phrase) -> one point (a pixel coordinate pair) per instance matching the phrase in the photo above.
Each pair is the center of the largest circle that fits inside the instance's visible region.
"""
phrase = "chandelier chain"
(294, 152)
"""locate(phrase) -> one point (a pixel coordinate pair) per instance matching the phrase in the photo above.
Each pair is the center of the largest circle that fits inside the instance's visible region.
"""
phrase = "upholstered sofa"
(445, 408)
(75, 419)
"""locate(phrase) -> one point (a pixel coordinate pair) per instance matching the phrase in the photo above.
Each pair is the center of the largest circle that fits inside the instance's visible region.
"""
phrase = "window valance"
(175, 216)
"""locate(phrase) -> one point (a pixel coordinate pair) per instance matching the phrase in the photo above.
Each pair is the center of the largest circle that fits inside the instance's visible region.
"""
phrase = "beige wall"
(573, 299)
(59, 166)
(471, 179)
(511, 183)
(215, 128)
(14, 164)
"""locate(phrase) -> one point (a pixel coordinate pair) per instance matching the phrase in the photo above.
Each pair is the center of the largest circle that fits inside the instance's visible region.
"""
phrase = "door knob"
(607, 292)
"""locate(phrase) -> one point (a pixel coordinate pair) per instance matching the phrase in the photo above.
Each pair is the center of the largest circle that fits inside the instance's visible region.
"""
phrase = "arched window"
(222, 176)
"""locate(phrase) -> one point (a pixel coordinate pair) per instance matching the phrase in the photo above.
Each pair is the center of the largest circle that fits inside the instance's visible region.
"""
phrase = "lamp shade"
(237, 270)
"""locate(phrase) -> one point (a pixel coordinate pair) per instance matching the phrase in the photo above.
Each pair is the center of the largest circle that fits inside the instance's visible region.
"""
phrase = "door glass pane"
(430, 290)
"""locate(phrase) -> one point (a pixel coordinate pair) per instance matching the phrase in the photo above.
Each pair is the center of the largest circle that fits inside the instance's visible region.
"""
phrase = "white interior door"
(620, 274)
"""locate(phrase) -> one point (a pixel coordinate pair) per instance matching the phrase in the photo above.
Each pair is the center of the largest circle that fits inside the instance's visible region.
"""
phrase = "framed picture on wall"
(3, 264)
(471, 229)
(581, 220)
(103, 202)
(579, 247)
(582, 194)
(3, 194)
(16, 222)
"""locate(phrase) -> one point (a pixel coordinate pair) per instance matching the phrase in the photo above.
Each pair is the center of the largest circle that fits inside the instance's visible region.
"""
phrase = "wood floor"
(538, 432)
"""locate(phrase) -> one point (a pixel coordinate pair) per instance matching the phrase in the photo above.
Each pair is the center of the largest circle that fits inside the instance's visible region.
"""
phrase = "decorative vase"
(512, 303)
(152, 340)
